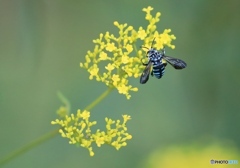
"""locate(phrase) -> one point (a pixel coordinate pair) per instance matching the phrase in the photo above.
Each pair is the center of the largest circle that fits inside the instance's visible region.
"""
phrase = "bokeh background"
(191, 114)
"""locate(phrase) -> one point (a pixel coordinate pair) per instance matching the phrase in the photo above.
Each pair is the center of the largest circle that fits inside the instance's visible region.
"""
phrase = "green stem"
(135, 48)
(50, 135)
(27, 147)
(64, 100)
(100, 98)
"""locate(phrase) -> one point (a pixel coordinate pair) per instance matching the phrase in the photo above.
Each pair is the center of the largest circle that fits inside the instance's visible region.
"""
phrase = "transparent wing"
(145, 74)
(176, 63)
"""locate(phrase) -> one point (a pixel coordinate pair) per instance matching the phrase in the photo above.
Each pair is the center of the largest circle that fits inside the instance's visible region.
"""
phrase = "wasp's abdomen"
(158, 69)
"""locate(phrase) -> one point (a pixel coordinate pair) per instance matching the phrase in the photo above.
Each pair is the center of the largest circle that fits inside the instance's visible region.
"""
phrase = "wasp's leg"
(152, 73)
(144, 63)
(163, 51)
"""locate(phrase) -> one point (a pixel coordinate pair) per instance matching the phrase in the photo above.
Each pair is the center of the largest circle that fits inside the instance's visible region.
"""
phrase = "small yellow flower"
(88, 60)
(141, 33)
(103, 56)
(93, 71)
(115, 79)
(85, 114)
(126, 117)
(100, 141)
(123, 89)
(110, 47)
(129, 48)
(116, 23)
(125, 59)
(109, 67)
(148, 9)
(116, 145)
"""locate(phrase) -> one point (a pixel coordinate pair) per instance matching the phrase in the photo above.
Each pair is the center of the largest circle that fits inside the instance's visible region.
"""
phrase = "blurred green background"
(42, 43)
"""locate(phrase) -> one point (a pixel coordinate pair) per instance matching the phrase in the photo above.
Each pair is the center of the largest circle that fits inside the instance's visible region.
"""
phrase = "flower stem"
(100, 98)
(27, 147)
(135, 48)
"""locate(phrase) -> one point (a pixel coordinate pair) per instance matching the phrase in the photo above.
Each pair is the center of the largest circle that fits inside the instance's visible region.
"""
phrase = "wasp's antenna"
(144, 47)
(143, 62)
(153, 42)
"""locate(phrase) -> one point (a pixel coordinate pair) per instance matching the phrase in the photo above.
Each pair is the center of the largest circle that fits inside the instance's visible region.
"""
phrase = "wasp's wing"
(176, 63)
(145, 74)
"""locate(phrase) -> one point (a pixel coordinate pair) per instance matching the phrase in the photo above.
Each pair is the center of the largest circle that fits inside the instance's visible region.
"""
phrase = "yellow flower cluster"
(113, 61)
(77, 128)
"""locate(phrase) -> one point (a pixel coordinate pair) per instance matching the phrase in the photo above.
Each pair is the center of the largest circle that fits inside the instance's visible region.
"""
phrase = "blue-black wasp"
(157, 61)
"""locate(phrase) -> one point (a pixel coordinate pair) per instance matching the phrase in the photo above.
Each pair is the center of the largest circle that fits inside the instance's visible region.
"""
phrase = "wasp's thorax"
(154, 56)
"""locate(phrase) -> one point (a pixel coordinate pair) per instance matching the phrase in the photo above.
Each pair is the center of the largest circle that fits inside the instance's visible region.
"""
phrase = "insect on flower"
(157, 61)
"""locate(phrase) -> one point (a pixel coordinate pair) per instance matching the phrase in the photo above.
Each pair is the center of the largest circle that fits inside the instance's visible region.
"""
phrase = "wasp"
(157, 61)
